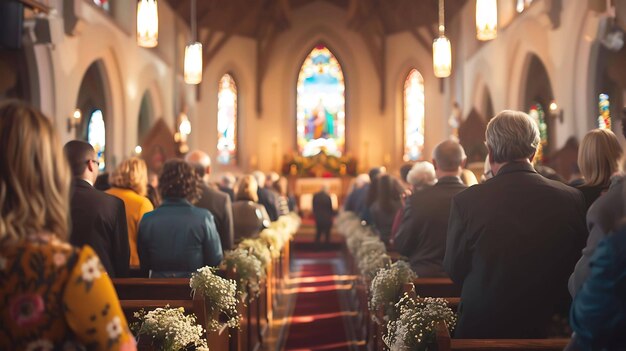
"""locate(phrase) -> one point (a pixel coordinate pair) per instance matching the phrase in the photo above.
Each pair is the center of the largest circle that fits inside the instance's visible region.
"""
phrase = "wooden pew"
(445, 343)
(143, 293)
(436, 287)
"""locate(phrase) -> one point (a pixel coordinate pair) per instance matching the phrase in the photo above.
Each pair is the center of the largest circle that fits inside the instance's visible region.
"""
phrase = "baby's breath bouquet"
(274, 240)
(386, 288)
(415, 327)
(220, 295)
(372, 262)
(259, 249)
(170, 329)
(248, 269)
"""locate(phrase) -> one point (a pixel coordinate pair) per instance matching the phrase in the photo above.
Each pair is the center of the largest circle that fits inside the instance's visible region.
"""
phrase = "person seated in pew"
(214, 200)
(178, 238)
(129, 183)
(513, 240)
(97, 219)
(422, 233)
(598, 315)
(251, 216)
(52, 296)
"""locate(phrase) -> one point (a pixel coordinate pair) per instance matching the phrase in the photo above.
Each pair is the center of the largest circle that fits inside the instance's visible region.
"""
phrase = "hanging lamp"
(193, 53)
(486, 19)
(442, 50)
(147, 23)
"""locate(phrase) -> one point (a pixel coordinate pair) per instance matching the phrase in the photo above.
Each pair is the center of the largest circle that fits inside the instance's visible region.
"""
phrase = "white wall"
(567, 52)
(267, 136)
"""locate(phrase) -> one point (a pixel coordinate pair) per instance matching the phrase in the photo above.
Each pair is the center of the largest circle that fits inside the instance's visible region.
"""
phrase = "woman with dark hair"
(177, 238)
(388, 201)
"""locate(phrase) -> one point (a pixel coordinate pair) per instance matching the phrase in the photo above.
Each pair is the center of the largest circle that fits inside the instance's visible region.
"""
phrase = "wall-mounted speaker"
(11, 24)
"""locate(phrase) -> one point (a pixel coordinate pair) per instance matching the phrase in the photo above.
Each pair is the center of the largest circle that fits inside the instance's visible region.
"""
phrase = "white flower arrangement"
(220, 295)
(248, 269)
(415, 327)
(170, 329)
(274, 240)
(280, 232)
(371, 263)
(386, 288)
(259, 249)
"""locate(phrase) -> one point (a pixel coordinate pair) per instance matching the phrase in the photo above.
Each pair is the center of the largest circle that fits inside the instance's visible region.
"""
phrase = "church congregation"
(312, 175)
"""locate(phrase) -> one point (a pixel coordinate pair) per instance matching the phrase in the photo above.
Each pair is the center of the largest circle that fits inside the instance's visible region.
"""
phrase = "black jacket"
(322, 209)
(99, 220)
(512, 243)
(267, 198)
(422, 232)
(219, 204)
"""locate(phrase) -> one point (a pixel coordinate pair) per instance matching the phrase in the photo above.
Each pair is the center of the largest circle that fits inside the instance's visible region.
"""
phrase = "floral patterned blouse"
(56, 297)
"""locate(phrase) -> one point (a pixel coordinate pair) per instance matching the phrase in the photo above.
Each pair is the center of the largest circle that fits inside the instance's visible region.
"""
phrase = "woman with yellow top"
(129, 182)
(52, 296)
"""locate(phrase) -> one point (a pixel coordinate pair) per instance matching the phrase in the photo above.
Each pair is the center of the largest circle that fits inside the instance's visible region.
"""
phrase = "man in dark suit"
(422, 233)
(217, 202)
(98, 219)
(513, 240)
(323, 213)
(267, 197)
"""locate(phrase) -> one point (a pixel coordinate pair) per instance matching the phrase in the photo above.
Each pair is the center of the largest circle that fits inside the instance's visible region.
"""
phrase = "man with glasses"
(98, 219)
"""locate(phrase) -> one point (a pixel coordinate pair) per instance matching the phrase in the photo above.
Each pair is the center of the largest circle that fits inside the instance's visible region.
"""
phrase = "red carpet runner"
(318, 320)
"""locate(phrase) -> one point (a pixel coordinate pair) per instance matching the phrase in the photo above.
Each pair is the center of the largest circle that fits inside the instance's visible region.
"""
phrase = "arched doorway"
(538, 96)
(321, 104)
(146, 116)
(92, 102)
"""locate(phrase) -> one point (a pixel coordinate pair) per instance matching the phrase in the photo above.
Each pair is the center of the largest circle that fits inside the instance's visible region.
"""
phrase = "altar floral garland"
(170, 329)
(415, 328)
(220, 295)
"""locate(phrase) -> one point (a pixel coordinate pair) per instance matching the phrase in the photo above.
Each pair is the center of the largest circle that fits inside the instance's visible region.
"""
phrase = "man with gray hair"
(513, 240)
(422, 232)
(217, 202)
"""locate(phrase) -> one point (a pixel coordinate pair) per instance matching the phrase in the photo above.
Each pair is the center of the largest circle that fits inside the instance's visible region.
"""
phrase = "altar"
(305, 188)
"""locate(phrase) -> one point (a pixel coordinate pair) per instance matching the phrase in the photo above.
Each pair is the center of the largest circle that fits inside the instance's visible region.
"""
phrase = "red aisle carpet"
(318, 321)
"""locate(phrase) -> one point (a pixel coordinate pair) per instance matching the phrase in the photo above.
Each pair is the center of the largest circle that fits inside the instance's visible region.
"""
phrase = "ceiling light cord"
(442, 26)
(193, 21)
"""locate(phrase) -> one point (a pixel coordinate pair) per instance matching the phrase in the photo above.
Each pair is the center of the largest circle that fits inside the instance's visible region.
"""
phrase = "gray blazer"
(602, 218)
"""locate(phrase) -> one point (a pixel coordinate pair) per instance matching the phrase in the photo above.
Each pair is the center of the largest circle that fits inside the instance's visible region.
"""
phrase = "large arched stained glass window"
(227, 120)
(321, 104)
(413, 116)
(96, 135)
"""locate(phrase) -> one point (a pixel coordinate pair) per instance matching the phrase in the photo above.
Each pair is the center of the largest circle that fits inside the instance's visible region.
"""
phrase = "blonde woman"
(52, 296)
(599, 157)
(129, 182)
(251, 216)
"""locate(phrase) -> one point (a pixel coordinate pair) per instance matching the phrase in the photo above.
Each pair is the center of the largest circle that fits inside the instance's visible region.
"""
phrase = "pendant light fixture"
(193, 53)
(147, 23)
(442, 50)
(486, 19)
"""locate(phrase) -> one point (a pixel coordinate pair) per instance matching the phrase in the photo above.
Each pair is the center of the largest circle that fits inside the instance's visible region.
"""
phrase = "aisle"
(320, 318)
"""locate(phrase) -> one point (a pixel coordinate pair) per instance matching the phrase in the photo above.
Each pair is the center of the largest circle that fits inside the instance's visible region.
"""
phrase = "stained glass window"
(321, 104)
(104, 4)
(538, 114)
(604, 105)
(96, 135)
(413, 116)
(227, 120)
